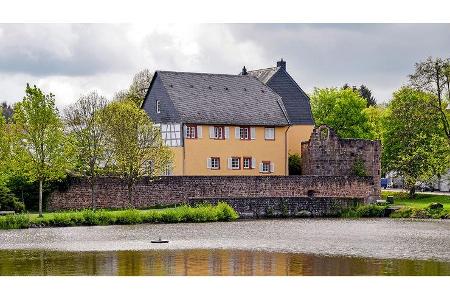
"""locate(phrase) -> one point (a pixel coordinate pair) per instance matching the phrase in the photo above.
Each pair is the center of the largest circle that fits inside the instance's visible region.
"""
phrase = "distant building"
(220, 124)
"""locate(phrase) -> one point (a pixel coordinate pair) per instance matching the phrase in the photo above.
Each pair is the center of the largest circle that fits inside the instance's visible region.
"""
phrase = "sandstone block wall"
(112, 193)
(325, 154)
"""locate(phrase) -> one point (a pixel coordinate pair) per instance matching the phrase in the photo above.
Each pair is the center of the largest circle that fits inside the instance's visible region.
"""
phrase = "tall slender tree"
(136, 144)
(83, 121)
(44, 150)
(433, 76)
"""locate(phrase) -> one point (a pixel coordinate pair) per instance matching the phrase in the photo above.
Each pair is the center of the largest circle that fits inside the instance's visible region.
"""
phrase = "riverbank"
(201, 213)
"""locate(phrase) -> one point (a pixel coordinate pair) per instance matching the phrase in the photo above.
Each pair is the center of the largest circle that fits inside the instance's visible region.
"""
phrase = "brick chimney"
(281, 64)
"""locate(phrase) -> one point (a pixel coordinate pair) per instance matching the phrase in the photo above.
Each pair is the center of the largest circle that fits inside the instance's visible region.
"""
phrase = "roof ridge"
(272, 68)
(200, 73)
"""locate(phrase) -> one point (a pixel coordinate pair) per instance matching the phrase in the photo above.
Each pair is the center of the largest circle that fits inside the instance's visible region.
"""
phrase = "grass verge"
(203, 213)
(421, 200)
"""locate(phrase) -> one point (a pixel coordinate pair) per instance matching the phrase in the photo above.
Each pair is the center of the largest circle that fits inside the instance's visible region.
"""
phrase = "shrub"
(294, 163)
(358, 168)
(128, 217)
(227, 213)
(8, 201)
(435, 206)
(14, 221)
(364, 211)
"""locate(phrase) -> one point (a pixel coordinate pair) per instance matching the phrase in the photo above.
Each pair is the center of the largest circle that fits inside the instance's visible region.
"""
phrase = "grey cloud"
(63, 49)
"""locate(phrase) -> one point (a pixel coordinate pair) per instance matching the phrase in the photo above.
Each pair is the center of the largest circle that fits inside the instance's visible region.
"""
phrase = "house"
(221, 124)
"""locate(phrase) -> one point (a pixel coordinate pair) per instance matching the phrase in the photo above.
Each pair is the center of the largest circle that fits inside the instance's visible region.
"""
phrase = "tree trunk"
(412, 192)
(40, 198)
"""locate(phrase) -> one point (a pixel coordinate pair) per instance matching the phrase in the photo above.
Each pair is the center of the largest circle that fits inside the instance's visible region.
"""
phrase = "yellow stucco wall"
(196, 152)
(177, 164)
(297, 134)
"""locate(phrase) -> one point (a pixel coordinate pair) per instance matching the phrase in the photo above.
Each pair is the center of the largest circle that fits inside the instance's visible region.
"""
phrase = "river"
(256, 247)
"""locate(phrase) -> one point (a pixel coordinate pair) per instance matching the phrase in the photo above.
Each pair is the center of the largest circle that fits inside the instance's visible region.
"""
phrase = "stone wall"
(266, 207)
(325, 154)
(112, 193)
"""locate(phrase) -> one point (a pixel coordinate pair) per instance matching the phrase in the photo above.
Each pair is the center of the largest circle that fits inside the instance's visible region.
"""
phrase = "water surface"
(258, 247)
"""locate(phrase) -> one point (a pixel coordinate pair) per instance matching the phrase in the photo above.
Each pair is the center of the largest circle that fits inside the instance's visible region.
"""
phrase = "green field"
(421, 200)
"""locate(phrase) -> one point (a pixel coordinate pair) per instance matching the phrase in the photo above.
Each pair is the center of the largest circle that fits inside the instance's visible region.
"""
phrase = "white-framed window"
(247, 163)
(158, 108)
(191, 131)
(219, 132)
(244, 133)
(234, 163)
(269, 133)
(266, 167)
(215, 163)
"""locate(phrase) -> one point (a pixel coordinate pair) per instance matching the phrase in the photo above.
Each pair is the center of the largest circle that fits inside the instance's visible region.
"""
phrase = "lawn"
(421, 200)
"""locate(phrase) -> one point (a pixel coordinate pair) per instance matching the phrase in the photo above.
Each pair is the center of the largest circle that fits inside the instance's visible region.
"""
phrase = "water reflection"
(205, 262)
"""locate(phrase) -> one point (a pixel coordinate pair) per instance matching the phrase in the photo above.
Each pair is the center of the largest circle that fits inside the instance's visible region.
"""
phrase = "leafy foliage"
(137, 147)
(202, 213)
(343, 110)
(294, 164)
(42, 147)
(414, 145)
(364, 92)
(8, 201)
(138, 88)
(358, 168)
(433, 76)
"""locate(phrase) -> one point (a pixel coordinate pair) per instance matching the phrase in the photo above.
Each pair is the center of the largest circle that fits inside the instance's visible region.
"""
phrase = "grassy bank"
(421, 200)
(424, 206)
(204, 213)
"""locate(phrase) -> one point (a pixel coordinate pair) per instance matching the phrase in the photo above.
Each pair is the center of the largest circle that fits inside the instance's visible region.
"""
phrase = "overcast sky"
(73, 59)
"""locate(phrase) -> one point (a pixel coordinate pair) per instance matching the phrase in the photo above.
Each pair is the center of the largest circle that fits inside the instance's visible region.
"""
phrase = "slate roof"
(295, 100)
(203, 98)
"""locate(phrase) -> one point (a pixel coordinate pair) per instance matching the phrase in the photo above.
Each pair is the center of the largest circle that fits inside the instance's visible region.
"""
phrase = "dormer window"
(158, 109)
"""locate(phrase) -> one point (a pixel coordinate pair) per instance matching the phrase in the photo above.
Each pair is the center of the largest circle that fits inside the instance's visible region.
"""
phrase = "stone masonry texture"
(325, 154)
(112, 193)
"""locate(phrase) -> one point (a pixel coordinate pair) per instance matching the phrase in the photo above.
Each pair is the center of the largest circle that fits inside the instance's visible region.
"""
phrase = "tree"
(375, 116)
(138, 88)
(44, 151)
(363, 92)
(5, 150)
(343, 110)
(433, 76)
(136, 144)
(83, 121)
(414, 146)
(7, 112)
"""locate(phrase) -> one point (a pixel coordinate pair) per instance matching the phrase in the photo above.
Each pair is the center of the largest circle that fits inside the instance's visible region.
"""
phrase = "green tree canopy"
(43, 149)
(343, 110)
(136, 144)
(414, 144)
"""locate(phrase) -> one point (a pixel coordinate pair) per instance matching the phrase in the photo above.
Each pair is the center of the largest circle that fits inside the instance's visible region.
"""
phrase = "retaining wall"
(112, 193)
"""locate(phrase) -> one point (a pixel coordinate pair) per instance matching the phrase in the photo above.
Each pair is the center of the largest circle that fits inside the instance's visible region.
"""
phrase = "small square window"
(244, 133)
(265, 167)
(158, 108)
(215, 163)
(269, 133)
(218, 132)
(235, 163)
(247, 162)
(191, 131)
